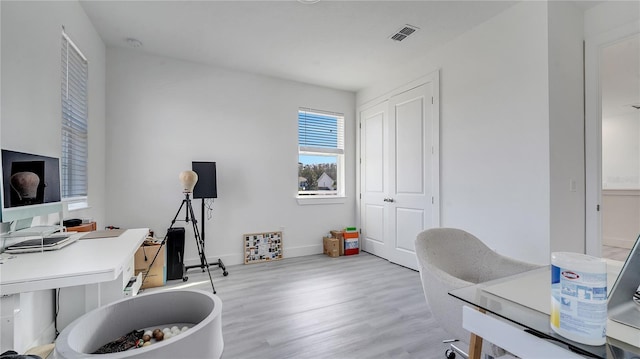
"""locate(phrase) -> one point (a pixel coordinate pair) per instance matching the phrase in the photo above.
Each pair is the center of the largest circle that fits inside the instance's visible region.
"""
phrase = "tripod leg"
(199, 244)
(219, 263)
(164, 240)
(199, 241)
(224, 269)
(177, 213)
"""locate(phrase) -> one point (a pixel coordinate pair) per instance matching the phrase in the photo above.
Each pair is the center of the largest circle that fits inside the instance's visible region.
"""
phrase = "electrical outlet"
(573, 186)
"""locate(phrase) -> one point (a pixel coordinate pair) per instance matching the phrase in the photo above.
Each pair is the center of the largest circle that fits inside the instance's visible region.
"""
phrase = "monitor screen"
(30, 185)
(206, 187)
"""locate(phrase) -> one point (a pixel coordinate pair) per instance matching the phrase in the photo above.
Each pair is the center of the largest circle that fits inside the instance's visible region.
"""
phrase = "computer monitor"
(30, 185)
(206, 187)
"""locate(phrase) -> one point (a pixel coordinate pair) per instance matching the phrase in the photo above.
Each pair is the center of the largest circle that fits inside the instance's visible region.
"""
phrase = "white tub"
(102, 325)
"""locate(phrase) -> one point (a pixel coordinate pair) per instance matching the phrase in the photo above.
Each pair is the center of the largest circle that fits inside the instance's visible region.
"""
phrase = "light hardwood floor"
(320, 307)
(616, 253)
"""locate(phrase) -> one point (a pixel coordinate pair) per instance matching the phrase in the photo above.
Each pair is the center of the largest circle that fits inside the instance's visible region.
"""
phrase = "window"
(320, 153)
(73, 163)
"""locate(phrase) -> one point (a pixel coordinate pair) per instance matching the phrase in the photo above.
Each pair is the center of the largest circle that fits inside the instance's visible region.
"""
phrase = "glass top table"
(492, 297)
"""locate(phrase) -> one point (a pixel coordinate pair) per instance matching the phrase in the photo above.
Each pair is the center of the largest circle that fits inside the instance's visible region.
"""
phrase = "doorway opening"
(620, 146)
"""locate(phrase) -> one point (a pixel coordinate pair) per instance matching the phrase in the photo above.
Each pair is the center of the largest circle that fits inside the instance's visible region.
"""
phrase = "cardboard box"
(331, 247)
(338, 235)
(157, 276)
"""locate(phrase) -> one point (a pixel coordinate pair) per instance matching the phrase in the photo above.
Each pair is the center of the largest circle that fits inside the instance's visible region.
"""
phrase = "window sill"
(76, 204)
(302, 201)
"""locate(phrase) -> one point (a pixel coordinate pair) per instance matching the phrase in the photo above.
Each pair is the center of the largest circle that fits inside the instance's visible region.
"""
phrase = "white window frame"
(325, 196)
(74, 125)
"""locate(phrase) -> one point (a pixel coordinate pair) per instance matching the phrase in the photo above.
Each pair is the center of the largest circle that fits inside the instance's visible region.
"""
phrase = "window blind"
(320, 131)
(74, 120)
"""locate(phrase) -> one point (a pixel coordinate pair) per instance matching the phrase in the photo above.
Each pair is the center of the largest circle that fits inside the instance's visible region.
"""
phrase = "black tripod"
(189, 216)
(203, 261)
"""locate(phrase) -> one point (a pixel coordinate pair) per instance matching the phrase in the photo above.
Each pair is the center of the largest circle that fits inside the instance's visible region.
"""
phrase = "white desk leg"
(475, 343)
(9, 307)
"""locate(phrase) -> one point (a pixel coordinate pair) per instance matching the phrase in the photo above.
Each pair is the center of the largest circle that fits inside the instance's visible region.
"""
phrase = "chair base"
(455, 350)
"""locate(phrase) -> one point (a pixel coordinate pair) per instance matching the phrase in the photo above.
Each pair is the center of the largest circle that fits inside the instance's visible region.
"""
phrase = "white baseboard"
(290, 252)
(618, 242)
(232, 259)
(228, 259)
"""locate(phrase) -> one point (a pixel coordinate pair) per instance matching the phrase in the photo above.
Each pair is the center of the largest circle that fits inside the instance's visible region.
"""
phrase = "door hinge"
(360, 195)
(360, 125)
(431, 200)
(598, 207)
(432, 100)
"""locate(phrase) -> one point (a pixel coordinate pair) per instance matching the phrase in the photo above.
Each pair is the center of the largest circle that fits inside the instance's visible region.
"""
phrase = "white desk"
(93, 272)
(83, 262)
(524, 301)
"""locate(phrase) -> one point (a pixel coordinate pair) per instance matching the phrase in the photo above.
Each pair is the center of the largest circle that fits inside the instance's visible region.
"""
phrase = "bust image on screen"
(27, 183)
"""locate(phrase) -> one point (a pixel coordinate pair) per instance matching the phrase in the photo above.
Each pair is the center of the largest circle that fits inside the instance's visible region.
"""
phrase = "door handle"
(388, 200)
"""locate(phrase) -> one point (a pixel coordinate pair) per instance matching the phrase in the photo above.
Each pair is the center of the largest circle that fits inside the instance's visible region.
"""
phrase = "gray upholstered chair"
(450, 258)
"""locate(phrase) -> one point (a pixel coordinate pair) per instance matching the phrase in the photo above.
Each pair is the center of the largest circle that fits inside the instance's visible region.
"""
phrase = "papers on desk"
(39, 244)
(104, 234)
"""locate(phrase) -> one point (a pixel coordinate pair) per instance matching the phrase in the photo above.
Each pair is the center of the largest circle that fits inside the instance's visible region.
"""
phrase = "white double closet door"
(399, 172)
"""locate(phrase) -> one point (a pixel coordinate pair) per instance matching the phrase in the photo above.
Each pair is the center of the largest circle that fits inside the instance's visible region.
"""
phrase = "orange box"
(351, 244)
(350, 235)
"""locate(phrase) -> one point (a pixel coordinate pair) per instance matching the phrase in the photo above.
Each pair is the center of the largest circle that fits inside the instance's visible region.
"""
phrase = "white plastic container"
(102, 325)
(579, 297)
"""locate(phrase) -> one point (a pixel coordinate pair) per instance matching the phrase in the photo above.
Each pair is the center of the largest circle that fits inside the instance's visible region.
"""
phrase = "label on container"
(578, 303)
(350, 243)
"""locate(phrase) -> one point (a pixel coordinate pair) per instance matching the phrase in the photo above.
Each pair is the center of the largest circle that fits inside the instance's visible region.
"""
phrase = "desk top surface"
(525, 300)
(82, 262)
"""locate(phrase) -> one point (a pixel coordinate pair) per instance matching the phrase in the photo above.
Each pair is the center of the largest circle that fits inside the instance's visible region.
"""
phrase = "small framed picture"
(262, 247)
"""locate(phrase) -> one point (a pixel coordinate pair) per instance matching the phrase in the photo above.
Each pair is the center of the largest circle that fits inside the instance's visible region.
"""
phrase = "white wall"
(621, 151)
(494, 130)
(566, 127)
(164, 113)
(620, 87)
(604, 24)
(609, 15)
(30, 115)
(31, 104)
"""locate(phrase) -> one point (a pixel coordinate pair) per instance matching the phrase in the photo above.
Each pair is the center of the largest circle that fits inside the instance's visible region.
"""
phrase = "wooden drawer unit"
(87, 227)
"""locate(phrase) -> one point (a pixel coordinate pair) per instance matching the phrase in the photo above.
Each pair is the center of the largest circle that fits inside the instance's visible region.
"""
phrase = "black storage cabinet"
(175, 253)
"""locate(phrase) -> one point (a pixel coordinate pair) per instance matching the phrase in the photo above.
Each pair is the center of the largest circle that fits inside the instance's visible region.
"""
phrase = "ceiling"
(338, 44)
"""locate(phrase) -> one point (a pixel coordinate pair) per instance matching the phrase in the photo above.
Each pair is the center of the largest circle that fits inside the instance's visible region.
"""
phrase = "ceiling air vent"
(404, 32)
